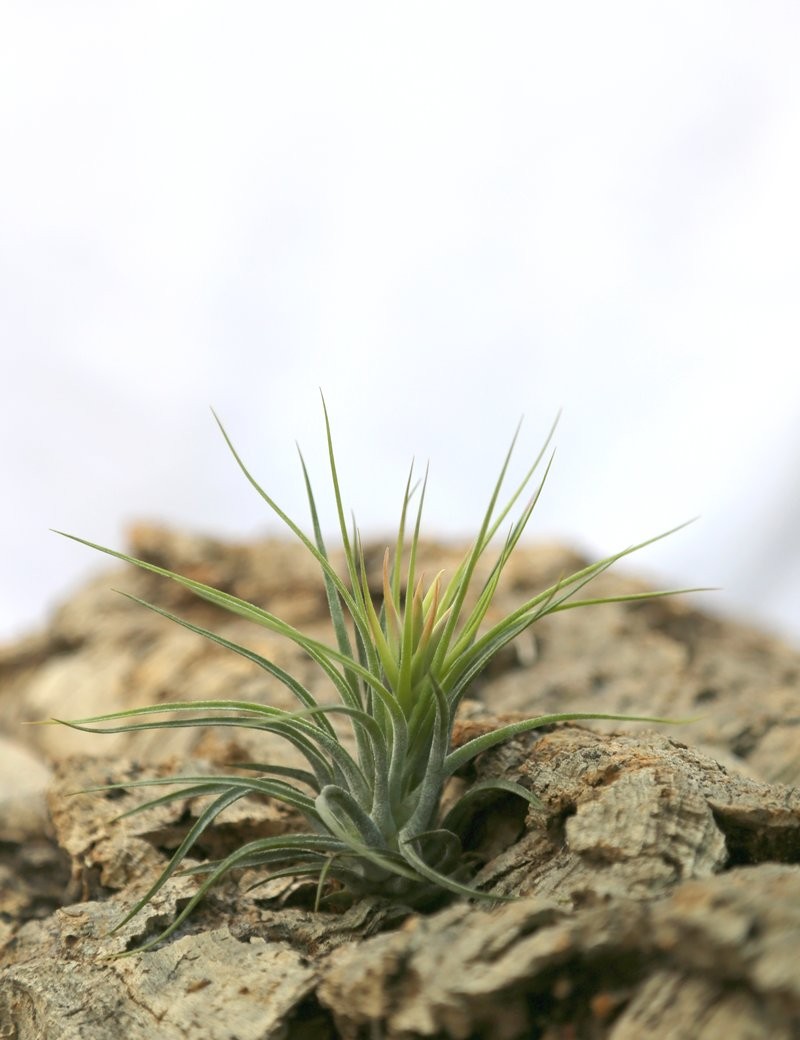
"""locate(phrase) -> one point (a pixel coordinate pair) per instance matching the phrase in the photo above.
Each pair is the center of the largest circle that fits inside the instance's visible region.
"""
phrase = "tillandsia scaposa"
(399, 672)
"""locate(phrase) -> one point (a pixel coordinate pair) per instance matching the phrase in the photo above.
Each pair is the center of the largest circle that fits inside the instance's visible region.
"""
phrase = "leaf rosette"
(399, 671)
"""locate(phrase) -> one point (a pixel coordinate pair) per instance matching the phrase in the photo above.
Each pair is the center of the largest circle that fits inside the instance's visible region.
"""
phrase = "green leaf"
(459, 813)
(461, 756)
(207, 817)
(297, 688)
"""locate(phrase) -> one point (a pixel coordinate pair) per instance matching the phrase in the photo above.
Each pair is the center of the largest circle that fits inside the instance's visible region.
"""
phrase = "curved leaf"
(459, 758)
(459, 812)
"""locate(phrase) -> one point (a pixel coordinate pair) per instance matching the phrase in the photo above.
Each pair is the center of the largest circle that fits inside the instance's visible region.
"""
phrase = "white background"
(446, 215)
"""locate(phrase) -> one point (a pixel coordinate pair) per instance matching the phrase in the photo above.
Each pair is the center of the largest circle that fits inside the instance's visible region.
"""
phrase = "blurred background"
(445, 215)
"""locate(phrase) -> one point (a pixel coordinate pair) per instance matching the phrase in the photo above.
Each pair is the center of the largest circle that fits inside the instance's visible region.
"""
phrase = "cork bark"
(656, 892)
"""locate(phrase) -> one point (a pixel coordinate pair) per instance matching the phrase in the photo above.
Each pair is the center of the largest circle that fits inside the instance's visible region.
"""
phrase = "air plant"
(399, 672)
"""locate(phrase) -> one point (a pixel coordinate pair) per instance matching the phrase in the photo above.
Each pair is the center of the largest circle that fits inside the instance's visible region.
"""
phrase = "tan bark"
(658, 886)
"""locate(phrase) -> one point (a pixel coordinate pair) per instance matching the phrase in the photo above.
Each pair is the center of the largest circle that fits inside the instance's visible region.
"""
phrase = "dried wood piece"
(629, 816)
(527, 967)
(207, 986)
(632, 922)
(674, 1004)
(109, 853)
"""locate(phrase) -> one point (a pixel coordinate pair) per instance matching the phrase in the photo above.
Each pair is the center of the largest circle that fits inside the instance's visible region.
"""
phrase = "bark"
(716, 958)
(655, 893)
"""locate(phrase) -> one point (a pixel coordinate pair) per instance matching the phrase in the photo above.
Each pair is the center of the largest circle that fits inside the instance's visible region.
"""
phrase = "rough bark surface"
(657, 890)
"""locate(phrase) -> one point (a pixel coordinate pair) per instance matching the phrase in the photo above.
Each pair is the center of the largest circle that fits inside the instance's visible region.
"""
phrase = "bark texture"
(657, 890)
